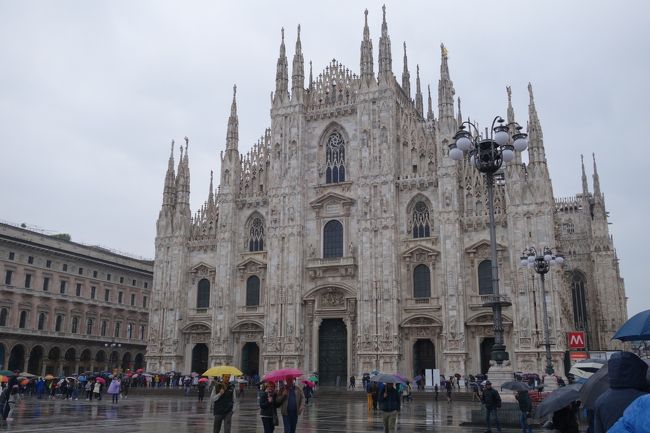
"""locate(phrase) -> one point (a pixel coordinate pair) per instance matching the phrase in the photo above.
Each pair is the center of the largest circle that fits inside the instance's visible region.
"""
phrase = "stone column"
(348, 347)
(315, 326)
(26, 363)
(76, 365)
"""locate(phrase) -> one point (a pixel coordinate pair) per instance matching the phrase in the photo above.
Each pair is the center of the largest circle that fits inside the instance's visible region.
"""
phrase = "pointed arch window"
(3, 316)
(333, 239)
(252, 291)
(58, 323)
(421, 282)
(485, 278)
(579, 299)
(256, 235)
(203, 294)
(420, 221)
(335, 159)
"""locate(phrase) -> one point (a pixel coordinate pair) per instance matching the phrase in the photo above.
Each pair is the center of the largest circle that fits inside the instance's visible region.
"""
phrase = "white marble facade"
(358, 154)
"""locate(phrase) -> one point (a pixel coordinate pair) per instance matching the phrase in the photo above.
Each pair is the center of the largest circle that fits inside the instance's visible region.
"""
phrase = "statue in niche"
(312, 251)
(289, 328)
(351, 248)
(291, 214)
(387, 329)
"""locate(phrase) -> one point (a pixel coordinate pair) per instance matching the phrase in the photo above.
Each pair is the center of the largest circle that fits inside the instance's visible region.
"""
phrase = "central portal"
(332, 352)
(200, 358)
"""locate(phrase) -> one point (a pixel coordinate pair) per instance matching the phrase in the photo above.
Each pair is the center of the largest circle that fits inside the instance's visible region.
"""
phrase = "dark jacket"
(491, 398)
(225, 403)
(525, 405)
(267, 409)
(566, 419)
(391, 402)
(627, 381)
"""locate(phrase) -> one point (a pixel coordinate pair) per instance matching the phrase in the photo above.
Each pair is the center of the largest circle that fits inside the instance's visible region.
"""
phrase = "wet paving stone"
(162, 414)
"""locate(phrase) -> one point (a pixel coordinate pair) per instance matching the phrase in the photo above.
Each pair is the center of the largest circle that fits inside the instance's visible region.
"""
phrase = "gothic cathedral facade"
(346, 240)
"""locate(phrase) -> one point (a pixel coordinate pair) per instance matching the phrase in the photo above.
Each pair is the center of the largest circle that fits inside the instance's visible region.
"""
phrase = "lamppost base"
(550, 383)
(498, 374)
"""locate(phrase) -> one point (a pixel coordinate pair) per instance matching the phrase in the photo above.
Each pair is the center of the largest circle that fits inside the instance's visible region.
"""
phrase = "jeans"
(225, 419)
(267, 423)
(389, 419)
(290, 421)
(488, 414)
(523, 420)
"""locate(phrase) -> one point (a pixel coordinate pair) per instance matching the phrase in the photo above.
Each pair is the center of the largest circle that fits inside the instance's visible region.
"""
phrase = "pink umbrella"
(309, 383)
(100, 380)
(204, 379)
(282, 374)
(139, 370)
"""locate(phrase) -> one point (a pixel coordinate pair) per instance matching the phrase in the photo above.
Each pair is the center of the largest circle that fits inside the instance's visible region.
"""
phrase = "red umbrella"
(204, 379)
(309, 383)
(283, 374)
(140, 370)
(101, 380)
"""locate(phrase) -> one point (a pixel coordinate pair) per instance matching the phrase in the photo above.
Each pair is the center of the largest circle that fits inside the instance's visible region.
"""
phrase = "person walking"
(374, 389)
(8, 398)
(627, 380)
(389, 402)
(268, 401)
(97, 390)
(201, 390)
(525, 408)
(435, 391)
(353, 382)
(223, 404)
(126, 384)
(89, 390)
(308, 392)
(114, 390)
(448, 387)
(40, 388)
(492, 401)
(291, 401)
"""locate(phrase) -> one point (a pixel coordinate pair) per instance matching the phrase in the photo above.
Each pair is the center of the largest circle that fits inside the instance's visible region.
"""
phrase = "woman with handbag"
(268, 401)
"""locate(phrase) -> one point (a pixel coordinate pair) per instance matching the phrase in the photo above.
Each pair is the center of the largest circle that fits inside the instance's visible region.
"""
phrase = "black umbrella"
(558, 399)
(515, 385)
(637, 328)
(597, 384)
(387, 378)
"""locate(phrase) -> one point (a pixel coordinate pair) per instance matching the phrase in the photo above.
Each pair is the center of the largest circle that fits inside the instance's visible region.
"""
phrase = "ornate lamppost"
(542, 263)
(487, 155)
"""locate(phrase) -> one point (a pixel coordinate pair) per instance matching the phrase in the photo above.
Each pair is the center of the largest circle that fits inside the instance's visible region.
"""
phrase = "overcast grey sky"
(92, 92)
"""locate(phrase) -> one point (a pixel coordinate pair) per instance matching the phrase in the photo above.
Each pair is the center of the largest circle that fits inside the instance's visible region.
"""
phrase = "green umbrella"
(6, 373)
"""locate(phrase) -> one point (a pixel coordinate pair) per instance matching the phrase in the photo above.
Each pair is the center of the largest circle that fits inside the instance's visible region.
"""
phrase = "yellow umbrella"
(221, 370)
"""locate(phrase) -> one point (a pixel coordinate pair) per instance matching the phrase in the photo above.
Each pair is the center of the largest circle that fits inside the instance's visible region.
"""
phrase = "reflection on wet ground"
(185, 414)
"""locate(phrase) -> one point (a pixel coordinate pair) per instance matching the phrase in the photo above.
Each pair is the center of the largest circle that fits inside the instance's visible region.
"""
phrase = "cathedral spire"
(232, 135)
(298, 77)
(445, 94)
(597, 193)
(367, 62)
(282, 74)
(211, 191)
(419, 106)
(459, 118)
(406, 76)
(429, 104)
(510, 114)
(311, 77)
(536, 153)
(169, 190)
(183, 182)
(385, 58)
(585, 186)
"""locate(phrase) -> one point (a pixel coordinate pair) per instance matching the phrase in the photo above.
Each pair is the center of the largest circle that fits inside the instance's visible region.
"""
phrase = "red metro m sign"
(576, 340)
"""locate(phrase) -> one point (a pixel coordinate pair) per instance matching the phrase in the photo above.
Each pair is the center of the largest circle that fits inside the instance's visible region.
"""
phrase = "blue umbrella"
(635, 329)
(387, 378)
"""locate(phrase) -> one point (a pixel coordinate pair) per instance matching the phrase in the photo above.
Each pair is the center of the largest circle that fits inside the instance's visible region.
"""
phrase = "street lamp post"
(541, 263)
(487, 155)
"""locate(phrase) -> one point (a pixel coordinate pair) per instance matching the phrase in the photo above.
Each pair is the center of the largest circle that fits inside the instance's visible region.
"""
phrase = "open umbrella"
(221, 370)
(585, 369)
(4, 379)
(101, 380)
(637, 328)
(24, 382)
(140, 370)
(241, 381)
(309, 383)
(204, 379)
(49, 377)
(6, 373)
(558, 399)
(282, 374)
(515, 385)
(387, 378)
(597, 384)
(27, 375)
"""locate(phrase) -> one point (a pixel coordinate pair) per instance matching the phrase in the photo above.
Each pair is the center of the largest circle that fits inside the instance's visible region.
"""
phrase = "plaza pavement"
(162, 412)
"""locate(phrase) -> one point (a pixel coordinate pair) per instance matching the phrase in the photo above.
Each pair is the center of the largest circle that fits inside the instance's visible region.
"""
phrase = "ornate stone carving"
(332, 298)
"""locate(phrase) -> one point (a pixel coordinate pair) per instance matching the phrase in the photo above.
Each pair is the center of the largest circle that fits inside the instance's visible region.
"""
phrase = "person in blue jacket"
(389, 402)
(635, 419)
